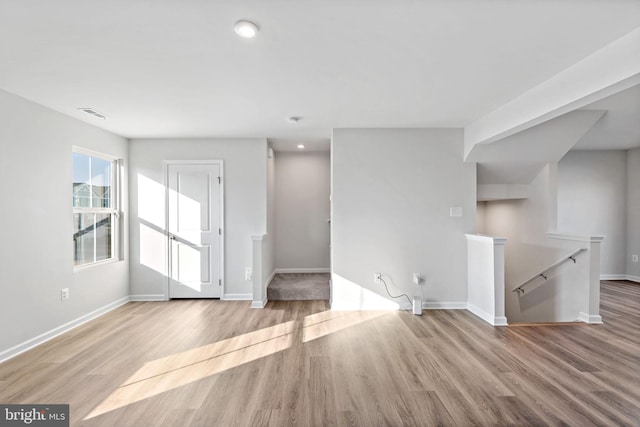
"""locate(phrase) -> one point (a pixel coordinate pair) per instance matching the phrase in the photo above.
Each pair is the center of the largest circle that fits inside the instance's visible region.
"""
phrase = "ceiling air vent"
(93, 112)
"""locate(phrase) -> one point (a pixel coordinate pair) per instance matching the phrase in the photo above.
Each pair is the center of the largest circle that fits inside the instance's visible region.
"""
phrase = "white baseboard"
(587, 318)
(273, 274)
(42, 338)
(490, 319)
(620, 277)
(259, 304)
(237, 297)
(427, 305)
(147, 297)
(500, 321)
(613, 277)
(302, 270)
(444, 305)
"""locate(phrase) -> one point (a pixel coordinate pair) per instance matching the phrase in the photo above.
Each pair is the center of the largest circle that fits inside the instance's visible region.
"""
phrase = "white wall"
(392, 190)
(36, 260)
(592, 199)
(269, 251)
(485, 278)
(245, 199)
(481, 215)
(302, 181)
(633, 211)
(525, 220)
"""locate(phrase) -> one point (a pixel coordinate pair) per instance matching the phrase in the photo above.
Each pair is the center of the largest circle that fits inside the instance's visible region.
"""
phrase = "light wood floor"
(210, 363)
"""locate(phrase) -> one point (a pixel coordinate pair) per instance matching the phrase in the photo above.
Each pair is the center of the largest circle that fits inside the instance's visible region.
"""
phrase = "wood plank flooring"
(211, 363)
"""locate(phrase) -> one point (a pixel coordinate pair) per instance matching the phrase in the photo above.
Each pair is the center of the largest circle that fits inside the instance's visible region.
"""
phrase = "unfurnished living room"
(309, 213)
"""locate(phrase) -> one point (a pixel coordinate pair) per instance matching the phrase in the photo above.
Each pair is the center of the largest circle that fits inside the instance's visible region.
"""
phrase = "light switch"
(455, 211)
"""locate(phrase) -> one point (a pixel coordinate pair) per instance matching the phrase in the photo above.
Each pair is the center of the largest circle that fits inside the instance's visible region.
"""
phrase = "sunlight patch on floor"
(176, 370)
(183, 368)
(328, 322)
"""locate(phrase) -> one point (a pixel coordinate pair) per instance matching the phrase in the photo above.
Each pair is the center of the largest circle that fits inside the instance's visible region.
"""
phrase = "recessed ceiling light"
(294, 119)
(300, 146)
(246, 29)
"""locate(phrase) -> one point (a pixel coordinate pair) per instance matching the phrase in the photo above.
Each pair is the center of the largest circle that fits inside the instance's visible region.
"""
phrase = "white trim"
(487, 238)
(81, 267)
(263, 303)
(628, 277)
(259, 304)
(273, 274)
(613, 277)
(575, 237)
(492, 320)
(302, 270)
(93, 153)
(148, 297)
(42, 338)
(165, 167)
(115, 210)
(500, 321)
(427, 305)
(259, 237)
(237, 297)
(594, 319)
(444, 305)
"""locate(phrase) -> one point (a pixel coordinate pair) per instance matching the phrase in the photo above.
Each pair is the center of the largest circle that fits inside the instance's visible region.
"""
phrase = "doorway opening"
(301, 220)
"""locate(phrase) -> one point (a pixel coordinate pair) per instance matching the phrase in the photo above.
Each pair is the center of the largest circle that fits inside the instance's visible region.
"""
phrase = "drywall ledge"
(490, 192)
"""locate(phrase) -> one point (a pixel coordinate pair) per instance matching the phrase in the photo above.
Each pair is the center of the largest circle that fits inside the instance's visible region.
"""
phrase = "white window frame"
(114, 210)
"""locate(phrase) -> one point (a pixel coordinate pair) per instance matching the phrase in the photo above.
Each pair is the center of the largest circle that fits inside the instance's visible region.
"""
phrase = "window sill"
(96, 264)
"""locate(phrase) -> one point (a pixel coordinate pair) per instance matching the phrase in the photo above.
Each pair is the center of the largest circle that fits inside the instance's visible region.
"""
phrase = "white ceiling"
(166, 68)
(619, 128)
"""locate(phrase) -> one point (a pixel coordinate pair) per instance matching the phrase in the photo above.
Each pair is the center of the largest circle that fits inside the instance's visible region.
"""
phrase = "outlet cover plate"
(455, 211)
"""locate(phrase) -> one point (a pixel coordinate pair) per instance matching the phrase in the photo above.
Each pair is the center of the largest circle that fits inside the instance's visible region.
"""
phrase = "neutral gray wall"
(592, 199)
(269, 251)
(481, 215)
(525, 221)
(245, 210)
(633, 211)
(392, 190)
(36, 259)
(302, 181)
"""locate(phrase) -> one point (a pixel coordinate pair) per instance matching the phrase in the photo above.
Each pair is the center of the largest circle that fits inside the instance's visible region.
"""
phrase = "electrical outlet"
(377, 277)
(634, 258)
(64, 294)
(248, 273)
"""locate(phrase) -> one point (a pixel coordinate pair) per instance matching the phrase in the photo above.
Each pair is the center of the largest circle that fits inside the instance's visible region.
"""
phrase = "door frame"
(167, 241)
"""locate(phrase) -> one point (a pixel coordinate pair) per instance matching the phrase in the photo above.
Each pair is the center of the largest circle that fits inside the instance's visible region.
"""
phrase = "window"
(95, 208)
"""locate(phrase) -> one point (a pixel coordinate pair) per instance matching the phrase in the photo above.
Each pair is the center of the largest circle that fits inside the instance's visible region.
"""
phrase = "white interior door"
(195, 230)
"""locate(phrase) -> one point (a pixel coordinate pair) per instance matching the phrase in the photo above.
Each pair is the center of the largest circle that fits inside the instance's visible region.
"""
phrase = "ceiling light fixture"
(246, 29)
(300, 146)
